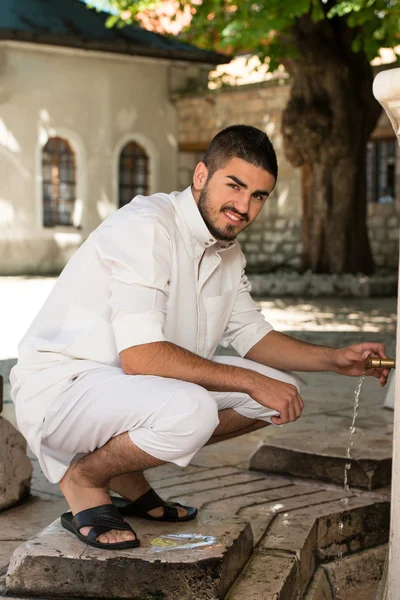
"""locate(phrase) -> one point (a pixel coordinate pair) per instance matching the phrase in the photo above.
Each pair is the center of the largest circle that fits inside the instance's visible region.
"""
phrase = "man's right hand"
(282, 397)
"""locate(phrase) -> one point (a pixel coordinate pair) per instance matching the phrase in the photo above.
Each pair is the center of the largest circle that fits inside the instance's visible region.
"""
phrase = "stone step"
(200, 559)
(301, 537)
(353, 577)
(293, 523)
(323, 457)
(15, 466)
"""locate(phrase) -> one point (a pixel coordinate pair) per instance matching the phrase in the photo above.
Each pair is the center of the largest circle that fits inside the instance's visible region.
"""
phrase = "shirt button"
(211, 240)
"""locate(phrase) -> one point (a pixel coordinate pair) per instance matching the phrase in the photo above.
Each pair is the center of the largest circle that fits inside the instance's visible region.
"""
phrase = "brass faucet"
(375, 362)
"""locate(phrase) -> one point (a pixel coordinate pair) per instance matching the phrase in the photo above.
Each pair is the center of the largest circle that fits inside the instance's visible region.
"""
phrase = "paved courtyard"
(219, 472)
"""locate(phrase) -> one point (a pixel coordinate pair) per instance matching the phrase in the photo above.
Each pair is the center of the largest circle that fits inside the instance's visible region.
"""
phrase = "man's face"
(232, 198)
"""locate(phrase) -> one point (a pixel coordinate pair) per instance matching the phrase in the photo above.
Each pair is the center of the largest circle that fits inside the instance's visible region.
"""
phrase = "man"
(117, 373)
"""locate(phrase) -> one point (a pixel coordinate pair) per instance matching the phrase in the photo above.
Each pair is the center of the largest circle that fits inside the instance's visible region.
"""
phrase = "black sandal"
(101, 519)
(150, 500)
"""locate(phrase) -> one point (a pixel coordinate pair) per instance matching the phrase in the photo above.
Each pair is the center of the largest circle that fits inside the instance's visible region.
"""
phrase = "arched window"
(59, 183)
(133, 173)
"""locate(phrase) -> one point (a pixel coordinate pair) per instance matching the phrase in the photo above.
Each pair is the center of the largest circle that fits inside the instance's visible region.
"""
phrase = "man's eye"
(233, 186)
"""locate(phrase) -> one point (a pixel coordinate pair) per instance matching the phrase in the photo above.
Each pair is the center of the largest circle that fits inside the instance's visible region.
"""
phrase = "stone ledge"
(15, 466)
(311, 285)
(55, 563)
(285, 563)
(319, 458)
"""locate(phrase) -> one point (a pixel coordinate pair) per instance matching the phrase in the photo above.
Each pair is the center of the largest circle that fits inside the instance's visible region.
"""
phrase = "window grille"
(133, 173)
(59, 183)
(381, 170)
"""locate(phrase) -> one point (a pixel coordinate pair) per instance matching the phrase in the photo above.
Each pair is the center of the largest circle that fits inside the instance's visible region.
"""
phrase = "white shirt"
(151, 272)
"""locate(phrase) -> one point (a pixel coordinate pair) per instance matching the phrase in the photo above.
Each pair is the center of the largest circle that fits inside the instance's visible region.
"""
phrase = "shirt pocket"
(218, 311)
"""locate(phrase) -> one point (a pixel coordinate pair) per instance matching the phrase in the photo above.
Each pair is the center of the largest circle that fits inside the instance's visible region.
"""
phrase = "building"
(86, 123)
(275, 239)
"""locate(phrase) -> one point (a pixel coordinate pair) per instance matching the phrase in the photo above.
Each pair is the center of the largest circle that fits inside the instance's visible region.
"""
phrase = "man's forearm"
(164, 359)
(284, 352)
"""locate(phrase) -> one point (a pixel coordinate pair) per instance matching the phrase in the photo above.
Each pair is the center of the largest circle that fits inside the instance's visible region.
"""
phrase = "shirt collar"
(193, 219)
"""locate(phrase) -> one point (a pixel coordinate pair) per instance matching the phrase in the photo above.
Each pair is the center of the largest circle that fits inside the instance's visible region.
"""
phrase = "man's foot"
(81, 495)
(133, 486)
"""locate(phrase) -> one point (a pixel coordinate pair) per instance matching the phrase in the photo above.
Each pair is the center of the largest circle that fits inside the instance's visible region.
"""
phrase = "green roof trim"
(71, 24)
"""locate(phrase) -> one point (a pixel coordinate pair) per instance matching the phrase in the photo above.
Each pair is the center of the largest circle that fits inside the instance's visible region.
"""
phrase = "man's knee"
(188, 419)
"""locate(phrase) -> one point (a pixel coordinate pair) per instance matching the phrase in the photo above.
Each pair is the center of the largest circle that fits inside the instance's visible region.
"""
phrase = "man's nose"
(242, 204)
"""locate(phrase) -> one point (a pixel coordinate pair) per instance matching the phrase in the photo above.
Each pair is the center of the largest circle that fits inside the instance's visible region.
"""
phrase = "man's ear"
(200, 176)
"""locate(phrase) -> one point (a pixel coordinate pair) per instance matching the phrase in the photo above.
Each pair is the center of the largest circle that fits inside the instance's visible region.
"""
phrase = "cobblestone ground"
(328, 399)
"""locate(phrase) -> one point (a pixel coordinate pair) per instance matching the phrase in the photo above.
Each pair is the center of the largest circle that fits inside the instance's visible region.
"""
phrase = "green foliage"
(263, 27)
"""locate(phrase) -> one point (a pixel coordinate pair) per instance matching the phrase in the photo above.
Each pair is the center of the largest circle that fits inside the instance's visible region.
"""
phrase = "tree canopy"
(263, 27)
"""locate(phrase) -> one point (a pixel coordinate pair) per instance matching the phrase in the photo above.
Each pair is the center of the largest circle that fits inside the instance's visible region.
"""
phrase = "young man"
(117, 373)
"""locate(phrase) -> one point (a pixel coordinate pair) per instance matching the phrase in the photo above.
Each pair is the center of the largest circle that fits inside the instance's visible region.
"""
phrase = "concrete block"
(268, 577)
(364, 523)
(295, 535)
(357, 576)
(319, 588)
(15, 466)
(323, 458)
(6, 550)
(191, 560)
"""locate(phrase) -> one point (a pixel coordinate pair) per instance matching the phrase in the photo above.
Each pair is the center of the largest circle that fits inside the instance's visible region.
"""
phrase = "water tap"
(375, 362)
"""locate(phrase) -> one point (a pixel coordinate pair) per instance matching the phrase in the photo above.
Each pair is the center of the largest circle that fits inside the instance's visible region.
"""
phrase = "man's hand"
(282, 397)
(352, 360)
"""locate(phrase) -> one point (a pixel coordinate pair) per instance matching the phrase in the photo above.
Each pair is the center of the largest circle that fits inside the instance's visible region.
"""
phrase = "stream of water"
(347, 465)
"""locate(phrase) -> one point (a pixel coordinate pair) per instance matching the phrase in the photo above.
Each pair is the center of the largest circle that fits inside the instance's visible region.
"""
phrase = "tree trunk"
(326, 127)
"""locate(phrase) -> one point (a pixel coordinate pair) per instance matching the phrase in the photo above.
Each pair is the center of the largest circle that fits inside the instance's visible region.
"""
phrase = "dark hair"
(241, 141)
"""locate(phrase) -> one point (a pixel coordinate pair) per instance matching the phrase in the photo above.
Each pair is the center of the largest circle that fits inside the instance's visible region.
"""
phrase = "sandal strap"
(102, 519)
(89, 517)
(170, 512)
(148, 501)
(101, 527)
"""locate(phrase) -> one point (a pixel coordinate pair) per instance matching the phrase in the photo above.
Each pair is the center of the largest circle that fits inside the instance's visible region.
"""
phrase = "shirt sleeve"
(246, 325)
(138, 256)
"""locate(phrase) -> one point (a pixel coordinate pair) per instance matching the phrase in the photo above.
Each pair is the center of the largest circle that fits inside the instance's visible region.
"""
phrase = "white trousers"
(169, 419)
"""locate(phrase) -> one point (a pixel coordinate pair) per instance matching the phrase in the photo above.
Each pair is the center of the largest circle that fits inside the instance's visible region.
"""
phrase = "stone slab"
(323, 457)
(358, 576)
(200, 499)
(26, 520)
(6, 550)
(268, 577)
(183, 561)
(262, 514)
(319, 588)
(215, 482)
(296, 536)
(199, 475)
(15, 466)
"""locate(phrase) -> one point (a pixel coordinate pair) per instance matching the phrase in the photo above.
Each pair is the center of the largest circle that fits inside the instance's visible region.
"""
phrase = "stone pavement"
(294, 522)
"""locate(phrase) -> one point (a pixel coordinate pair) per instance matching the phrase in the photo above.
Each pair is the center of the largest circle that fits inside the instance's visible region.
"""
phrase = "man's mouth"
(233, 217)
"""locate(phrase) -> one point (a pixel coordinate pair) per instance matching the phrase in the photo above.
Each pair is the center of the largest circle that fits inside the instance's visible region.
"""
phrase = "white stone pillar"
(387, 91)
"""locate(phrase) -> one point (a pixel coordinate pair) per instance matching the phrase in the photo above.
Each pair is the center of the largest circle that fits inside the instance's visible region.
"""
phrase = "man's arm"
(164, 359)
(281, 351)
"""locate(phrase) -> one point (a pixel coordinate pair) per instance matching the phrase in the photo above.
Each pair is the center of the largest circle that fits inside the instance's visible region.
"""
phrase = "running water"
(347, 465)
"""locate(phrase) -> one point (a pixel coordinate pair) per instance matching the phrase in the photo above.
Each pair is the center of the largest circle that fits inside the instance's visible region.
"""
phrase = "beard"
(210, 215)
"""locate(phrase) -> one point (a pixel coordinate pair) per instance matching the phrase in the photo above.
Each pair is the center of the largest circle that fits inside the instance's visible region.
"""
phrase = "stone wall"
(383, 229)
(272, 243)
(275, 238)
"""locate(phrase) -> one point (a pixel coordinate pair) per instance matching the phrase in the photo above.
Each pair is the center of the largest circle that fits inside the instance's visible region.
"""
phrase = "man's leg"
(231, 424)
(85, 484)
(125, 424)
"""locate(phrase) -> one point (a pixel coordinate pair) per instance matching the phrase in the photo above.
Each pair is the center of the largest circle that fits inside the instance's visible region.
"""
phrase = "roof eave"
(116, 47)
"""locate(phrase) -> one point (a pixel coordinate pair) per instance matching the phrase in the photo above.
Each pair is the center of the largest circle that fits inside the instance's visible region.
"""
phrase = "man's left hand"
(352, 360)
